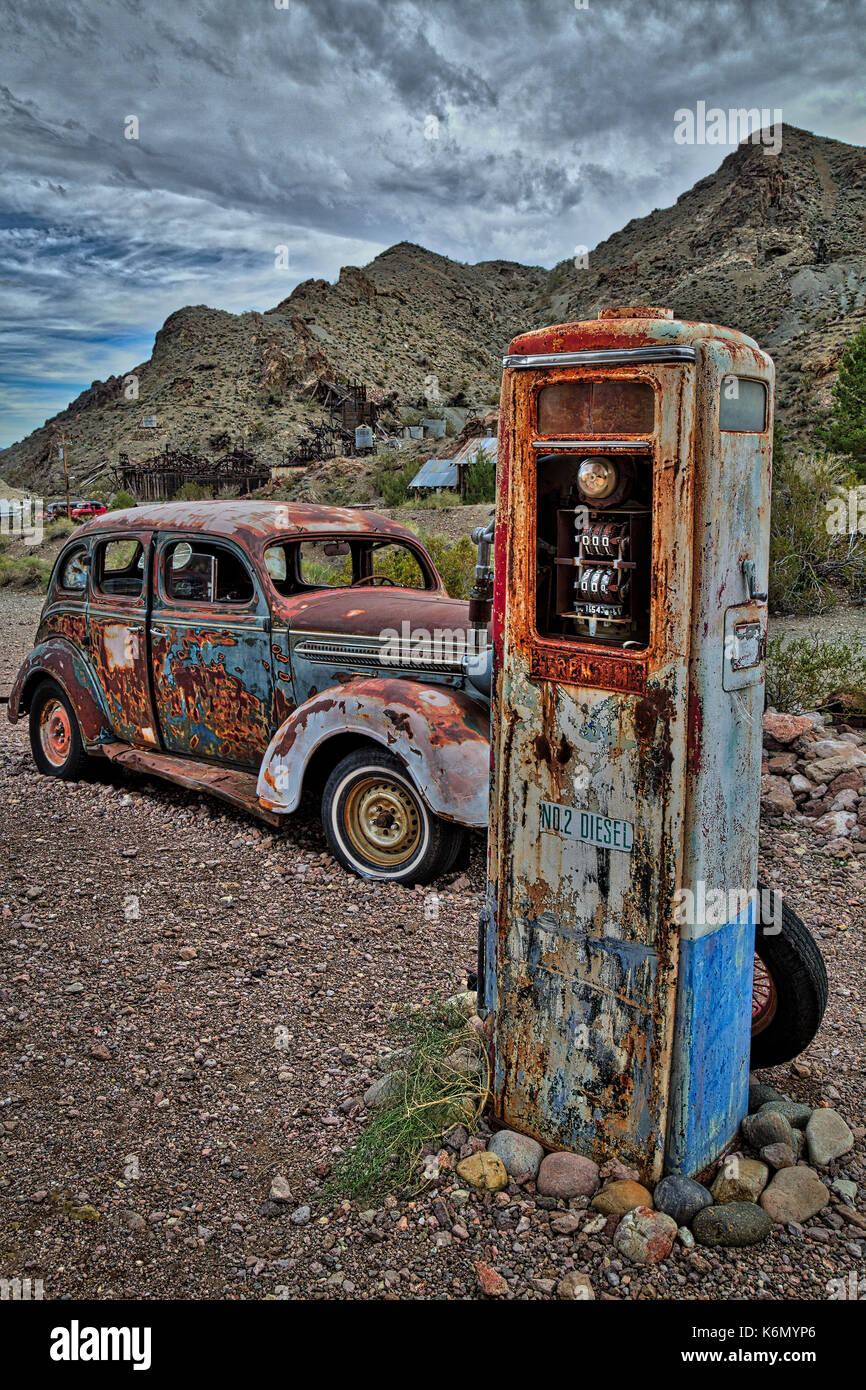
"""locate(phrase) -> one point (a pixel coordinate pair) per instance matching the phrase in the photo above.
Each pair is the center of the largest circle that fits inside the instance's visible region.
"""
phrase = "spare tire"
(789, 992)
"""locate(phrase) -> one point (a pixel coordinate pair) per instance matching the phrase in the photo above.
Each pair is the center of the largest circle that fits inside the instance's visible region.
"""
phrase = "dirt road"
(190, 1005)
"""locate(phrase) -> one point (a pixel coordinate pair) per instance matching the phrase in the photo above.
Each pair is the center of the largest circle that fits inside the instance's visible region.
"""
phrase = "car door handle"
(158, 632)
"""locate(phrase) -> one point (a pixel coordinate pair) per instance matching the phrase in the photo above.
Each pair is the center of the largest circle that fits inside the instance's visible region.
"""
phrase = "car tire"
(55, 738)
(378, 825)
(790, 990)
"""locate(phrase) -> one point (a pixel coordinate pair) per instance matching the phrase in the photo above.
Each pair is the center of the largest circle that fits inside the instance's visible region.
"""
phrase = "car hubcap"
(55, 732)
(763, 997)
(382, 821)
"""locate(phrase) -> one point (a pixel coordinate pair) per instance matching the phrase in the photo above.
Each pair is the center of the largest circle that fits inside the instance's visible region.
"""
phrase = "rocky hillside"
(772, 245)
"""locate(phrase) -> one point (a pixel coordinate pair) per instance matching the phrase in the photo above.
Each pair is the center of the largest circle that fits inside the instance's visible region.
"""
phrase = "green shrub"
(803, 672)
(455, 561)
(480, 479)
(808, 561)
(29, 572)
(192, 492)
(121, 501)
(845, 431)
(392, 478)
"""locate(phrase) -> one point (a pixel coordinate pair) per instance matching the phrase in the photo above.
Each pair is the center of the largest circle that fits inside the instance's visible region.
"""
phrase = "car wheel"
(379, 826)
(789, 991)
(55, 738)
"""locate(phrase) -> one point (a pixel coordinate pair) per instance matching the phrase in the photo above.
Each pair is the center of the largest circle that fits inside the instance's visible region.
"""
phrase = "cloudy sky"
(483, 129)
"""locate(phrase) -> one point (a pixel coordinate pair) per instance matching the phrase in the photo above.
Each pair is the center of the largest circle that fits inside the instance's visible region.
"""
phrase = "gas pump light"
(597, 478)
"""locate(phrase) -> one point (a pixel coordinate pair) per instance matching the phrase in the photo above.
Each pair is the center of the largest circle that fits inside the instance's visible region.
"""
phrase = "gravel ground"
(192, 1005)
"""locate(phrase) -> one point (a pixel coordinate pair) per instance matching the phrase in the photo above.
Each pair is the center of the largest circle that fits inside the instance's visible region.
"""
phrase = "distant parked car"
(256, 650)
(83, 511)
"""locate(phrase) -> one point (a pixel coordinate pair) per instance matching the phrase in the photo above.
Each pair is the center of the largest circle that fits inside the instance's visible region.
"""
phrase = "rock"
(685, 1237)
(621, 1197)
(464, 1062)
(740, 1180)
(836, 824)
(280, 1190)
(614, 1170)
(778, 1155)
(843, 1187)
(767, 1127)
(681, 1198)
(845, 800)
(384, 1089)
(733, 1224)
(301, 1217)
(85, 1212)
(75, 988)
(133, 1221)
(465, 1003)
(520, 1154)
(490, 1281)
(800, 785)
(484, 1171)
(759, 1094)
(795, 1194)
(645, 1236)
(827, 1137)
(567, 1175)
(784, 728)
(828, 769)
(796, 1114)
(575, 1285)
(777, 797)
(567, 1224)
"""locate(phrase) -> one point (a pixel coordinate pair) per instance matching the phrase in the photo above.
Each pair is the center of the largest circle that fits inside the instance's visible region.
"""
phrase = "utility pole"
(65, 471)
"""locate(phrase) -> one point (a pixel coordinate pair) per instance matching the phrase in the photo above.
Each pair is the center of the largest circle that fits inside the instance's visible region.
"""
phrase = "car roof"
(253, 524)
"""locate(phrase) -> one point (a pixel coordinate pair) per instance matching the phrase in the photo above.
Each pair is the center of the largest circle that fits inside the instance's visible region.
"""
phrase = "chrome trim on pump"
(674, 353)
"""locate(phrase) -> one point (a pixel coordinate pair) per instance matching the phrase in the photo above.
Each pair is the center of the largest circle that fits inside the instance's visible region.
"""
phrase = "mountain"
(773, 245)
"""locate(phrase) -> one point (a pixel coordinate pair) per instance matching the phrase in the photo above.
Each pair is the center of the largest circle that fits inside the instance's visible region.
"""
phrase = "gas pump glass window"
(743, 405)
(594, 514)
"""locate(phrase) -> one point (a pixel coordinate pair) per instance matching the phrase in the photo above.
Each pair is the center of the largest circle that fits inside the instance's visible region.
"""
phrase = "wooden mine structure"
(162, 475)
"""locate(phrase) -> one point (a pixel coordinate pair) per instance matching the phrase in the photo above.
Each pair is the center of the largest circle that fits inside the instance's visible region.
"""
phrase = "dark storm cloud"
(313, 127)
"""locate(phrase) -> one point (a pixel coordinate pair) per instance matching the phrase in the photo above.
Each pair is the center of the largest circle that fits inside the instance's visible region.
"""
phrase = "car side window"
(203, 572)
(119, 567)
(73, 571)
(397, 563)
(325, 564)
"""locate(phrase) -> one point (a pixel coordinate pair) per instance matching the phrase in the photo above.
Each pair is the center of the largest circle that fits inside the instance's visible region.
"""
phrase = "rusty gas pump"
(629, 628)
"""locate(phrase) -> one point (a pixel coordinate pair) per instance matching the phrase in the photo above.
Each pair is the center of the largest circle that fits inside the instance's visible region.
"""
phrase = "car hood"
(368, 612)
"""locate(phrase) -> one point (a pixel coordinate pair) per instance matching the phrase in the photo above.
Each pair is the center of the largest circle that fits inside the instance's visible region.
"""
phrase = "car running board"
(236, 787)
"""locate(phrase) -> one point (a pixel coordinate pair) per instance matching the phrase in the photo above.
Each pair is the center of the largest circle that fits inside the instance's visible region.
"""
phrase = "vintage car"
(259, 650)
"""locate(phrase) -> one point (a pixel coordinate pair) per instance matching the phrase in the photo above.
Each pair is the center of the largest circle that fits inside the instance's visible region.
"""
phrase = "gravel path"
(191, 1005)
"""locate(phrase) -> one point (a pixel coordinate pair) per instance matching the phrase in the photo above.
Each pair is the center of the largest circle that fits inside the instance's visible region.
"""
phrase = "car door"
(117, 627)
(210, 650)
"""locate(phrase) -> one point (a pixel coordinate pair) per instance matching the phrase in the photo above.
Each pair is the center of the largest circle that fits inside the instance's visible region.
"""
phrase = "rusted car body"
(628, 691)
(199, 642)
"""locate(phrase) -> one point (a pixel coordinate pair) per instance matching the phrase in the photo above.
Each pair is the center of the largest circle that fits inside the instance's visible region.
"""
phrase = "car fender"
(64, 663)
(442, 737)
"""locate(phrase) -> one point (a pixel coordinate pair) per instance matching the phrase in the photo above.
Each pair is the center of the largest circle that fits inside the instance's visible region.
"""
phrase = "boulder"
(767, 1127)
(567, 1175)
(795, 1113)
(617, 1198)
(645, 1236)
(681, 1198)
(733, 1224)
(784, 728)
(740, 1180)
(778, 1155)
(483, 1171)
(777, 797)
(827, 1137)
(795, 1194)
(520, 1154)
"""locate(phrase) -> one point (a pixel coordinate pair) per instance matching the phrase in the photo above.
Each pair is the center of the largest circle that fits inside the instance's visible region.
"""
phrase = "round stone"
(778, 1155)
(759, 1095)
(567, 1175)
(483, 1171)
(795, 1194)
(767, 1127)
(645, 1236)
(520, 1154)
(735, 1223)
(617, 1198)
(827, 1137)
(575, 1285)
(796, 1114)
(681, 1198)
(740, 1180)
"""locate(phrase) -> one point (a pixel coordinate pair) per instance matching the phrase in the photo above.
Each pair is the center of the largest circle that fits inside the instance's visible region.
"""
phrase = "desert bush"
(803, 672)
(480, 479)
(809, 561)
(121, 500)
(28, 572)
(192, 492)
(392, 477)
(845, 430)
